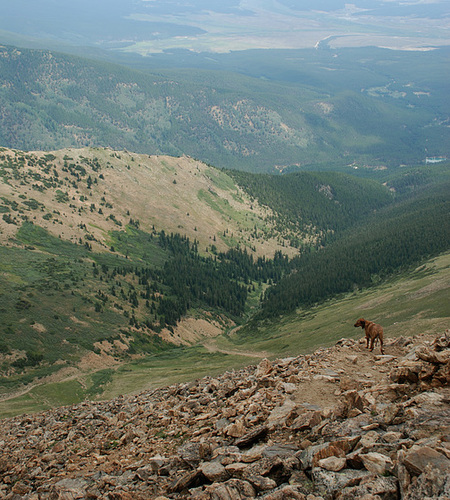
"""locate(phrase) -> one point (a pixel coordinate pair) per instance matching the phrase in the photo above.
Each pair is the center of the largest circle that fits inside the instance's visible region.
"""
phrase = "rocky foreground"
(342, 423)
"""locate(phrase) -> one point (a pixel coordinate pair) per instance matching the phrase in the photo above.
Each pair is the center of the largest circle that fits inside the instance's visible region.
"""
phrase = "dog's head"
(361, 322)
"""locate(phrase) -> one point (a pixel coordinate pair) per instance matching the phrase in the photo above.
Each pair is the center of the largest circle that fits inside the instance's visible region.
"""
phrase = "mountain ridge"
(51, 101)
(82, 178)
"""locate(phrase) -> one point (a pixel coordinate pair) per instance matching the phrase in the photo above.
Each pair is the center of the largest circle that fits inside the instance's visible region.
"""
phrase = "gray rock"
(222, 423)
(329, 483)
(279, 414)
(334, 464)
(214, 471)
(264, 368)
(233, 489)
(284, 493)
(186, 481)
(70, 488)
(193, 453)
(279, 450)
(227, 454)
(384, 488)
(260, 483)
(252, 437)
(433, 484)
(306, 421)
(311, 456)
(392, 437)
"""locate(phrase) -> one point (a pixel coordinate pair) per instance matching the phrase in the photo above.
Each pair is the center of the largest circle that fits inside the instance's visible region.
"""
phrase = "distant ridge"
(332, 114)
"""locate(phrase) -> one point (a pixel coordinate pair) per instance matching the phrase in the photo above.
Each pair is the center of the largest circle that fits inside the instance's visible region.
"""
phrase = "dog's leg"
(381, 345)
(372, 341)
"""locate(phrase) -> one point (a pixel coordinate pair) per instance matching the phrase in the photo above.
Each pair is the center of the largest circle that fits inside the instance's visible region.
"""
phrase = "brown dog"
(373, 331)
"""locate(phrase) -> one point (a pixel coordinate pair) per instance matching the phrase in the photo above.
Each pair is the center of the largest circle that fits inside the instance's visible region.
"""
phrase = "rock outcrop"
(341, 423)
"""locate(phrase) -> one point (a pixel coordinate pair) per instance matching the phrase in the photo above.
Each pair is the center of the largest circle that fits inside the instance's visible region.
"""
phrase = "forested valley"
(389, 242)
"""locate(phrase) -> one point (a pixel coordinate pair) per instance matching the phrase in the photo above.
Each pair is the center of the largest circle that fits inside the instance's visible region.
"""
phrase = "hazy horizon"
(153, 26)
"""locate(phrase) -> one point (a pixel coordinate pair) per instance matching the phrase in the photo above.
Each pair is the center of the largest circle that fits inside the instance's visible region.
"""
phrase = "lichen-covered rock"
(371, 488)
(330, 483)
(432, 484)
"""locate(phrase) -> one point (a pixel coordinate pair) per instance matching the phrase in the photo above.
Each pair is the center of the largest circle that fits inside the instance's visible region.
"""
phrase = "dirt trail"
(212, 346)
(354, 366)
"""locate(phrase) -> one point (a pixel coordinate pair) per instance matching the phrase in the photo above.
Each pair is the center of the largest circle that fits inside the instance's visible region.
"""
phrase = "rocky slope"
(341, 423)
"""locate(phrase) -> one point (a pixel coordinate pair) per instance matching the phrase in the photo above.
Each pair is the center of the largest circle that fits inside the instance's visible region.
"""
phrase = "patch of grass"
(245, 220)
(31, 234)
(220, 179)
(177, 365)
(24, 377)
(37, 280)
(43, 397)
(57, 301)
(230, 241)
(137, 244)
(214, 201)
(21, 405)
(100, 379)
(58, 394)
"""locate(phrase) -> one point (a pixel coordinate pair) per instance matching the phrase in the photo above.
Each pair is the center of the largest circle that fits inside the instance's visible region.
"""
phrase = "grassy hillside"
(52, 101)
(107, 256)
(83, 195)
(85, 275)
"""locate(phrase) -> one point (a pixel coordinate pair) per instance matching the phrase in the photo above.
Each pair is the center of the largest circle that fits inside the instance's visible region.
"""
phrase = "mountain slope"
(393, 239)
(326, 203)
(83, 194)
(51, 101)
(107, 256)
(111, 262)
(86, 243)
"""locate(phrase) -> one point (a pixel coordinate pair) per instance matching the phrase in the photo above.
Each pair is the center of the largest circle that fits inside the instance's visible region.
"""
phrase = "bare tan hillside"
(85, 193)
